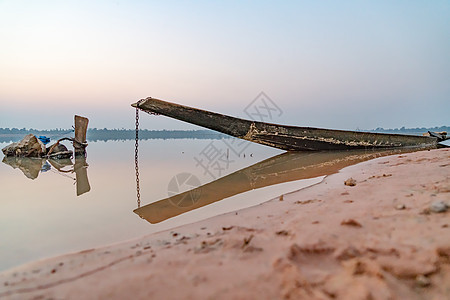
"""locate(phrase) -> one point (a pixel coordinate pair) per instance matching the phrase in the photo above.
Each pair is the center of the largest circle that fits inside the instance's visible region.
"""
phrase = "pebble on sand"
(350, 182)
(439, 207)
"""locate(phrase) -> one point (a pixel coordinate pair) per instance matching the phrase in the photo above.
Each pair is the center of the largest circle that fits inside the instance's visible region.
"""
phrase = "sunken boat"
(289, 138)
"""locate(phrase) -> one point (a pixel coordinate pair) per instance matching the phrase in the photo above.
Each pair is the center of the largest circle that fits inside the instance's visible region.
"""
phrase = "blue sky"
(333, 64)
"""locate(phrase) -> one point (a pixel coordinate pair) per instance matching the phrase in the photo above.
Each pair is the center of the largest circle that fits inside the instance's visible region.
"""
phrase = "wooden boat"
(286, 167)
(289, 138)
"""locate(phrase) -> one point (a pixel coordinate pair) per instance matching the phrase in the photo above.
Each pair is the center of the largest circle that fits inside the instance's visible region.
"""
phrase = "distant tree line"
(94, 134)
(413, 131)
(16, 134)
(25, 131)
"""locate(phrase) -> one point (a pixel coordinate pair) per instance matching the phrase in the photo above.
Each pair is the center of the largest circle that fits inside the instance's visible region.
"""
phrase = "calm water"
(48, 209)
(43, 217)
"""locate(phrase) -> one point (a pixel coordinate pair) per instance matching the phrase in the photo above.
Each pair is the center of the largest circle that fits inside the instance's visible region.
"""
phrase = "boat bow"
(289, 138)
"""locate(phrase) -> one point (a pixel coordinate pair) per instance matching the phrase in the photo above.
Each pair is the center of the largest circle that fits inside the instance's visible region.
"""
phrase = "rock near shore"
(29, 146)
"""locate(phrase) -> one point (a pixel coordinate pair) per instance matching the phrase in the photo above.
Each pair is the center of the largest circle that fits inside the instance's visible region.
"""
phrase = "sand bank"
(380, 237)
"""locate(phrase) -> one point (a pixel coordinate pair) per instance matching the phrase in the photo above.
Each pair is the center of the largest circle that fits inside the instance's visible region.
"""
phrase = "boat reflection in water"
(31, 167)
(286, 167)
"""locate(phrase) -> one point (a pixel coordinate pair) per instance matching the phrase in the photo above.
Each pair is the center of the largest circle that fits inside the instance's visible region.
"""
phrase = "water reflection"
(32, 167)
(286, 167)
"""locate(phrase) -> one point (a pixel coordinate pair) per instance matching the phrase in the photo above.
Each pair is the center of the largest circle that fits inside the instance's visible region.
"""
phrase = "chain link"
(136, 164)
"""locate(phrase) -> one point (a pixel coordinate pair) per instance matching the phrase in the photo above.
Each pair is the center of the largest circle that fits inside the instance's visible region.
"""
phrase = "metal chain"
(136, 165)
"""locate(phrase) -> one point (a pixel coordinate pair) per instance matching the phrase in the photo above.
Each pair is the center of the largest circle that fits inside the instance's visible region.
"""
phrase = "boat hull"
(289, 138)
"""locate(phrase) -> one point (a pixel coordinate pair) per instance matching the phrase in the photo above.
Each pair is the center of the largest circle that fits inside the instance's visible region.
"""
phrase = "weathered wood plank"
(289, 138)
(81, 125)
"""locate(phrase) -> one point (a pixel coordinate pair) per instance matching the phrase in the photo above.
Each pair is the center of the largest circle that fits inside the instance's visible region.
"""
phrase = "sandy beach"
(376, 230)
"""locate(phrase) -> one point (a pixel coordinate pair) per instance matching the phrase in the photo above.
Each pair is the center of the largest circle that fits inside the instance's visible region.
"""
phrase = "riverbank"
(379, 236)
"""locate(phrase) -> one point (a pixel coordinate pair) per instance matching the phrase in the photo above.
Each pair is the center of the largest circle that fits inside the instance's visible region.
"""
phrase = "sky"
(329, 64)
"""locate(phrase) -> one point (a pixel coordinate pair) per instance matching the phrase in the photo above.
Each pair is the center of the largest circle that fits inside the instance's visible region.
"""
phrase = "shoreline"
(378, 237)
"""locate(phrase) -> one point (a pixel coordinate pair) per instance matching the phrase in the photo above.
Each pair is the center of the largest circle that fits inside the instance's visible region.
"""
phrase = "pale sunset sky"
(330, 64)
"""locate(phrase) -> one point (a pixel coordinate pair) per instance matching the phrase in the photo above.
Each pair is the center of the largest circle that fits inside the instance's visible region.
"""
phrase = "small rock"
(351, 222)
(282, 232)
(423, 281)
(438, 207)
(425, 211)
(347, 253)
(247, 241)
(307, 201)
(350, 182)
(29, 146)
(400, 206)
(253, 249)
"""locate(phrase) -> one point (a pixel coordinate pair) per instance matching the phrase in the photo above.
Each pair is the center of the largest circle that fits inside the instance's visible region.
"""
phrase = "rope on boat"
(73, 140)
(63, 174)
(145, 110)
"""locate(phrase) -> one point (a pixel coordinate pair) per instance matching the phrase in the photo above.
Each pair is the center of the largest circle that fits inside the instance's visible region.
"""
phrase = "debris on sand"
(439, 207)
(350, 182)
(351, 222)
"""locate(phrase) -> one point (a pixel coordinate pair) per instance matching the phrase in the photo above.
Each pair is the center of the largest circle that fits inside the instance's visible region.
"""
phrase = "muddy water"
(49, 208)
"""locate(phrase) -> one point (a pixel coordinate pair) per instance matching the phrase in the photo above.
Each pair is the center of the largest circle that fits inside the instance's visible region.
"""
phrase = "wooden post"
(80, 143)
(80, 168)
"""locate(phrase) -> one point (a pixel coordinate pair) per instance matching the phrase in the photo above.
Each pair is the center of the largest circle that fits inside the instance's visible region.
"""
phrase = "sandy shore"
(382, 238)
